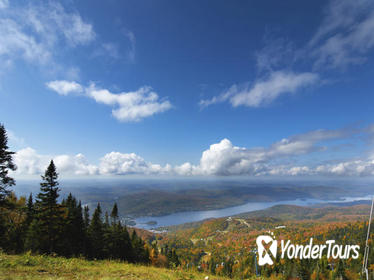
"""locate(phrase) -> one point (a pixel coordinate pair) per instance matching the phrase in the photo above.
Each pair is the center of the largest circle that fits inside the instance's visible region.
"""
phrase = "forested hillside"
(226, 246)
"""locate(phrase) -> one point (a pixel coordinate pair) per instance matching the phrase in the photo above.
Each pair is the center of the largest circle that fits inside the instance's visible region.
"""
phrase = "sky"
(189, 88)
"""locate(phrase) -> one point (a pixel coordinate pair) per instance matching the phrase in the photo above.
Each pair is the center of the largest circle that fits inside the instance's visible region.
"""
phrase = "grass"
(28, 266)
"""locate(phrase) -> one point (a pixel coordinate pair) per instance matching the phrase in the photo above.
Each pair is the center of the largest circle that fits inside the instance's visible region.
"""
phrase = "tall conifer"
(6, 164)
(96, 234)
(49, 212)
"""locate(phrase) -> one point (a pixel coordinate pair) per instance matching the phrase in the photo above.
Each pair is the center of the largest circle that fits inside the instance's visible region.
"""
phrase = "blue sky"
(190, 88)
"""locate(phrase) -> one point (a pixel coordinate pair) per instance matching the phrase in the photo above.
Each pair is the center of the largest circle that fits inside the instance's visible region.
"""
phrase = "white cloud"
(29, 162)
(225, 159)
(75, 30)
(186, 169)
(127, 106)
(33, 31)
(116, 163)
(358, 167)
(265, 91)
(76, 165)
(341, 14)
(345, 35)
(64, 87)
(220, 159)
(16, 43)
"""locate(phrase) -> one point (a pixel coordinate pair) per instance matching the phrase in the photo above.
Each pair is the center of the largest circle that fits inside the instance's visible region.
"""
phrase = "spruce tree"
(114, 213)
(96, 234)
(106, 224)
(86, 216)
(6, 164)
(49, 212)
(86, 223)
(140, 253)
(29, 211)
(74, 228)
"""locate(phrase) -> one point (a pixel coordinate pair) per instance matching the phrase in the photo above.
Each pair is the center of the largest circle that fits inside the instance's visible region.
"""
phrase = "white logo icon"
(266, 245)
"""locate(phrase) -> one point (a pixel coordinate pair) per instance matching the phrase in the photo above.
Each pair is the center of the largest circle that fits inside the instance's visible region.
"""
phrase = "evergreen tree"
(13, 239)
(74, 228)
(86, 216)
(96, 234)
(140, 253)
(6, 164)
(49, 212)
(86, 223)
(114, 213)
(34, 237)
(106, 223)
(29, 211)
(118, 244)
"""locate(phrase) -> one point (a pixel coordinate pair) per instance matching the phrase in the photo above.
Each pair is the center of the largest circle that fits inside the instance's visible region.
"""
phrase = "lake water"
(194, 216)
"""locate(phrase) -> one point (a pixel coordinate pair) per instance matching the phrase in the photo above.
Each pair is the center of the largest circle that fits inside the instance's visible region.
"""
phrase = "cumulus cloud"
(76, 165)
(64, 87)
(220, 159)
(127, 106)
(130, 106)
(224, 158)
(116, 163)
(264, 91)
(356, 167)
(29, 162)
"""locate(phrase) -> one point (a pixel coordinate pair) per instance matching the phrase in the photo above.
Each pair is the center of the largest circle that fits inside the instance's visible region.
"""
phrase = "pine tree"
(49, 212)
(6, 164)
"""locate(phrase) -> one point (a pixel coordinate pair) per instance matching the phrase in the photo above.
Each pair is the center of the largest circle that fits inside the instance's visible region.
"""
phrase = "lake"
(195, 216)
